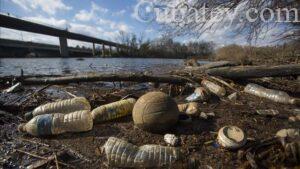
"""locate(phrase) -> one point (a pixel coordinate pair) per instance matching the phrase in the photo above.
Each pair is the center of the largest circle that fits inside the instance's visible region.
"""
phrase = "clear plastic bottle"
(120, 153)
(113, 110)
(57, 123)
(274, 95)
(200, 94)
(63, 106)
(214, 88)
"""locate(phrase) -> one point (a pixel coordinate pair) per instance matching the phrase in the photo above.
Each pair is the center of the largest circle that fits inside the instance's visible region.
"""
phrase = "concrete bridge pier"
(63, 47)
(94, 50)
(103, 50)
(110, 51)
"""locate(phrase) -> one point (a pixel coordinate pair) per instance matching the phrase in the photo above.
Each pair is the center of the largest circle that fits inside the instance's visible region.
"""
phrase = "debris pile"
(209, 117)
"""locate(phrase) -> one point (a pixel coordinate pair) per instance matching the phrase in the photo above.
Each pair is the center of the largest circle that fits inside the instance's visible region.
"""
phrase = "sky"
(97, 18)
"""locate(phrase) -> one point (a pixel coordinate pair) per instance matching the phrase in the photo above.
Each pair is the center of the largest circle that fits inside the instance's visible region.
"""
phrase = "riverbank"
(198, 138)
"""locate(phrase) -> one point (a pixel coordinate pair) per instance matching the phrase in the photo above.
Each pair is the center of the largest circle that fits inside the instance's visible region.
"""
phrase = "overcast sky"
(98, 18)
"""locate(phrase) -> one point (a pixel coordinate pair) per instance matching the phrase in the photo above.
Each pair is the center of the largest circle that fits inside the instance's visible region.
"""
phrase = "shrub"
(233, 53)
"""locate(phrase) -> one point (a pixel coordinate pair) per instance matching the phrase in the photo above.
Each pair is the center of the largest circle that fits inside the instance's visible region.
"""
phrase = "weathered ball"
(155, 112)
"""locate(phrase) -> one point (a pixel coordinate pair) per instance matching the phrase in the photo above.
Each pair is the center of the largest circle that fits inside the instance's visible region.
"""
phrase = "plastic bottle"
(274, 95)
(120, 153)
(200, 94)
(214, 88)
(63, 106)
(189, 108)
(113, 110)
(57, 123)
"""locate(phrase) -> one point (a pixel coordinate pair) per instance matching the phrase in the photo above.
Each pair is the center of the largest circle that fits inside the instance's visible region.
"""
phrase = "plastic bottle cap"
(231, 137)
(28, 116)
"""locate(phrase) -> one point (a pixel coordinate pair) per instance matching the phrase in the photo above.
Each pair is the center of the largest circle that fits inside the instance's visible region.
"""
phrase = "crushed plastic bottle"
(63, 106)
(200, 94)
(231, 137)
(57, 123)
(189, 108)
(291, 133)
(274, 95)
(120, 153)
(214, 88)
(113, 110)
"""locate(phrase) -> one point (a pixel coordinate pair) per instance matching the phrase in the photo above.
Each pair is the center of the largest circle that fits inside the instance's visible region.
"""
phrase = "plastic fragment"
(189, 108)
(171, 139)
(200, 94)
(120, 153)
(113, 110)
(268, 112)
(274, 95)
(233, 97)
(15, 88)
(57, 123)
(231, 137)
(214, 88)
(290, 133)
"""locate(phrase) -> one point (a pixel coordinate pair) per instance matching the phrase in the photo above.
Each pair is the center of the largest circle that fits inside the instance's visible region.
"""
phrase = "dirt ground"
(198, 138)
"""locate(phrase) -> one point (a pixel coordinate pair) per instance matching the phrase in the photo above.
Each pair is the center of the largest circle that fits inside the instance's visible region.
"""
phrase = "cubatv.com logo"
(144, 11)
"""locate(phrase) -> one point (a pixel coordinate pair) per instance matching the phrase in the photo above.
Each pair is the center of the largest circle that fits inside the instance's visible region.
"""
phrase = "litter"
(63, 106)
(15, 88)
(231, 137)
(294, 118)
(120, 153)
(274, 95)
(269, 112)
(200, 94)
(155, 112)
(113, 110)
(233, 97)
(189, 108)
(171, 139)
(53, 124)
(214, 88)
(290, 133)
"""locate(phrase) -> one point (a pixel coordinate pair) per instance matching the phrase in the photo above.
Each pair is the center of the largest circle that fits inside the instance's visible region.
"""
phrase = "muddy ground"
(197, 137)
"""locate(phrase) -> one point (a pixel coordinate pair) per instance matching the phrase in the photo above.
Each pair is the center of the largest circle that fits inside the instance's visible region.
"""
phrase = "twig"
(34, 142)
(224, 83)
(43, 158)
(56, 162)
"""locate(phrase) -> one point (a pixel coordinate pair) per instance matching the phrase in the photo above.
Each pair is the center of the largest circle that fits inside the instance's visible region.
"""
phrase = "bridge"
(63, 35)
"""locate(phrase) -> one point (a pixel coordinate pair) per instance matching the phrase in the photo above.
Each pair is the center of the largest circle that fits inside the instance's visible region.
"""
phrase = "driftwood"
(211, 65)
(255, 71)
(105, 78)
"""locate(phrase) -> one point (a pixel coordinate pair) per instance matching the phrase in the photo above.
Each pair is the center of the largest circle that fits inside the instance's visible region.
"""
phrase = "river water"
(57, 66)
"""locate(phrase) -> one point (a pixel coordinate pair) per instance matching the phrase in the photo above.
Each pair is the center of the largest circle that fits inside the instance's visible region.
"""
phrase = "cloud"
(85, 16)
(49, 7)
(119, 13)
(51, 21)
(114, 25)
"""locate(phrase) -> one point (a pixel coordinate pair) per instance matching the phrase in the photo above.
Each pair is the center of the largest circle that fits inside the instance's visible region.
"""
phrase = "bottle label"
(44, 124)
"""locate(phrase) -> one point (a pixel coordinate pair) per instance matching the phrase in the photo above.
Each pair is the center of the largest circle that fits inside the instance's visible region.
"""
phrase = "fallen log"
(255, 71)
(94, 77)
(211, 65)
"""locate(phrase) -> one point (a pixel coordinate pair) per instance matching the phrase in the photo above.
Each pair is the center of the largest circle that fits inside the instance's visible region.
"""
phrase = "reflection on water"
(56, 66)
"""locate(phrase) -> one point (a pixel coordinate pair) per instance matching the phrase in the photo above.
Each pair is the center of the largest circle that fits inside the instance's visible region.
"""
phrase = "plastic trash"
(233, 97)
(189, 108)
(171, 139)
(214, 88)
(120, 153)
(274, 95)
(113, 110)
(57, 123)
(291, 133)
(15, 88)
(63, 106)
(200, 94)
(268, 112)
(292, 152)
(231, 137)
(294, 118)
(207, 115)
